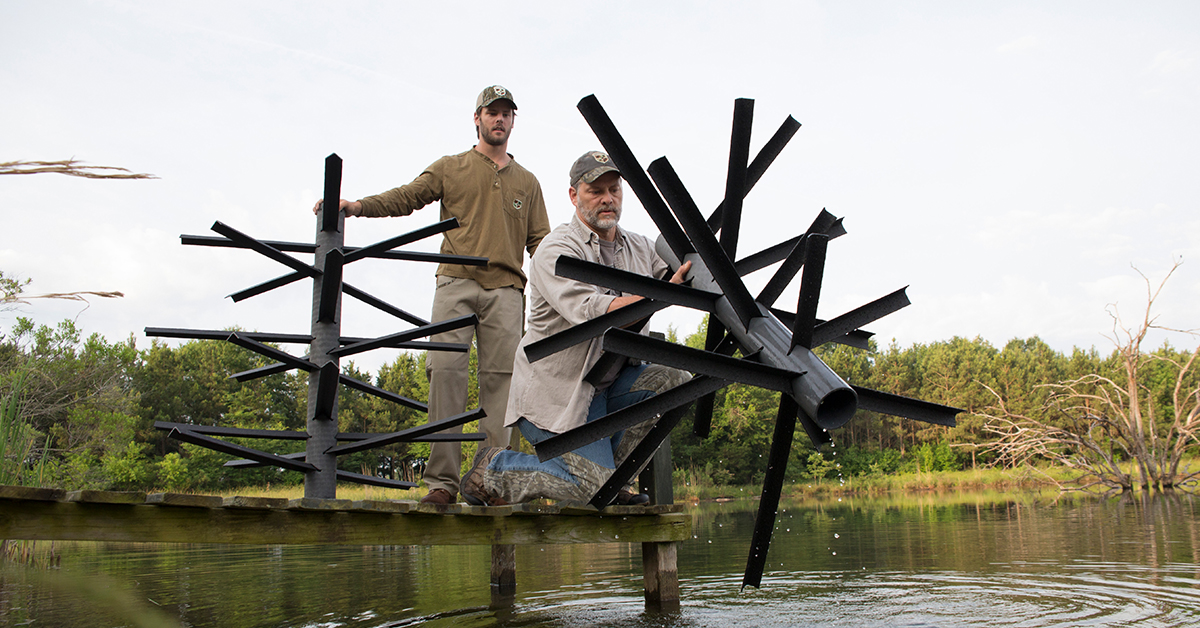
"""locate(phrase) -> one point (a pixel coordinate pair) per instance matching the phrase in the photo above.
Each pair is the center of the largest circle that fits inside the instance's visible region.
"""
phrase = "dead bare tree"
(1102, 425)
(70, 167)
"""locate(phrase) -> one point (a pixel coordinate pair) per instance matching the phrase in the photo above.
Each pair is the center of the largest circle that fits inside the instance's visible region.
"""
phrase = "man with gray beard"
(552, 395)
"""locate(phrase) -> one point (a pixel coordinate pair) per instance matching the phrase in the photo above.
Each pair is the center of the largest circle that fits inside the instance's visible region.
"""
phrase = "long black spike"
(384, 246)
(407, 435)
(766, 155)
(634, 175)
(627, 417)
(264, 249)
(215, 444)
(638, 458)
(223, 334)
(784, 274)
(333, 193)
(916, 409)
(670, 354)
(735, 177)
(847, 323)
(327, 388)
(376, 391)
(571, 336)
(706, 244)
(702, 421)
(419, 332)
(240, 339)
(382, 305)
(810, 290)
(764, 523)
(633, 283)
(331, 287)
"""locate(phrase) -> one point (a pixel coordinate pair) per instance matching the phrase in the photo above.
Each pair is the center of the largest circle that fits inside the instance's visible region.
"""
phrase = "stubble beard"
(596, 221)
(492, 140)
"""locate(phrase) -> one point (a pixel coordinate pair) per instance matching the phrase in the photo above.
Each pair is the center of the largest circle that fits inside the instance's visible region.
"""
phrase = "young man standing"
(501, 212)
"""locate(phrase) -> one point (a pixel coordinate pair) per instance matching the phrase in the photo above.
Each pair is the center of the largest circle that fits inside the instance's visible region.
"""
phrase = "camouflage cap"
(590, 166)
(493, 93)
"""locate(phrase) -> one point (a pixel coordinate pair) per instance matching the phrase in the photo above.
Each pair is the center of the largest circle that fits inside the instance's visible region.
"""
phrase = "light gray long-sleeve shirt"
(551, 393)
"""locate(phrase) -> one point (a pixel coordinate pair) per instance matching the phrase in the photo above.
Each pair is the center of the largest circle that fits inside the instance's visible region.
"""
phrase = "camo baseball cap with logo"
(493, 93)
(590, 166)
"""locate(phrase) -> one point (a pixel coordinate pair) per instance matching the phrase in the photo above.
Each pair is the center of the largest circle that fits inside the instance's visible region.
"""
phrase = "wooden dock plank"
(116, 518)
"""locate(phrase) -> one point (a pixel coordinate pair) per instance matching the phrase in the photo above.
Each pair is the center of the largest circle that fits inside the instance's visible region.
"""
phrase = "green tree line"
(80, 411)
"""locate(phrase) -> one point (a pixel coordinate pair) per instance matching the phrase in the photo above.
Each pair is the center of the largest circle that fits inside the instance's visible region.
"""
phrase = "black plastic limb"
(768, 505)
(420, 332)
(376, 391)
(834, 328)
(333, 193)
(696, 361)
(758, 167)
(585, 331)
(379, 248)
(223, 334)
(408, 435)
(916, 409)
(242, 340)
(189, 436)
(810, 290)
(634, 175)
(633, 283)
(331, 287)
(265, 250)
(627, 417)
(382, 305)
(239, 432)
(638, 458)
(735, 177)
(706, 244)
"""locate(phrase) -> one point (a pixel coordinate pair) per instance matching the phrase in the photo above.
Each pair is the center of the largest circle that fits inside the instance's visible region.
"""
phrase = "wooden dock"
(52, 514)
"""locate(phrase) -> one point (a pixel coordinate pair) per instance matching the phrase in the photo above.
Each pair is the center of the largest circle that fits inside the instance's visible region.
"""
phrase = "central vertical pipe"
(326, 333)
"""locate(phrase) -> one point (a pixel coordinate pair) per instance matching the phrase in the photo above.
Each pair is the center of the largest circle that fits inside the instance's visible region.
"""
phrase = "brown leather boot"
(439, 496)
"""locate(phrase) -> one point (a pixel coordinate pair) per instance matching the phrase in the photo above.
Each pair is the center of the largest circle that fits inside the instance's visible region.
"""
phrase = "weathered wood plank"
(182, 499)
(107, 497)
(383, 507)
(254, 503)
(29, 492)
(123, 521)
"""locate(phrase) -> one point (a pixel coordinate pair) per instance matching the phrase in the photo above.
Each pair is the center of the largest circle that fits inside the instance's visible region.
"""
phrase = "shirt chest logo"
(517, 204)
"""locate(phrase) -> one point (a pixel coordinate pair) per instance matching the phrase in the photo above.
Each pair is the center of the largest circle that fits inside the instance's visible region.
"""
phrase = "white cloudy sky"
(1011, 162)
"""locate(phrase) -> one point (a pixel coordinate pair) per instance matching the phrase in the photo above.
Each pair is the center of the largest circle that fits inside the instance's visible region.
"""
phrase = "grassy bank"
(692, 486)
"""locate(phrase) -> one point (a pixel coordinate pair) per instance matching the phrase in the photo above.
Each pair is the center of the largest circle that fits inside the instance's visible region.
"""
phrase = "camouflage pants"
(576, 476)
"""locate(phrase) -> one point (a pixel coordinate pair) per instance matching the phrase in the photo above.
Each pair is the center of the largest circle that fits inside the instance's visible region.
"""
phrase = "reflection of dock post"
(326, 332)
(504, 575)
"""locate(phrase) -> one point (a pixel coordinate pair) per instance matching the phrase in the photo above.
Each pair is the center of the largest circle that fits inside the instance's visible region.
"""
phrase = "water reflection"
(975, 559)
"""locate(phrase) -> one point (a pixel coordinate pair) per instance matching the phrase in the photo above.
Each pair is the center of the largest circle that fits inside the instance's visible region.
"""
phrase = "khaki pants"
(501, 315)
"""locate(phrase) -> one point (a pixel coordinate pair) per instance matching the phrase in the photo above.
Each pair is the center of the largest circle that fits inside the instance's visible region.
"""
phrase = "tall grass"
(18, 439)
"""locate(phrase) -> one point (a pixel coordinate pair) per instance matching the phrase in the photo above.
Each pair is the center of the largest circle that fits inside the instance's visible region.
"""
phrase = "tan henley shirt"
(500, 211)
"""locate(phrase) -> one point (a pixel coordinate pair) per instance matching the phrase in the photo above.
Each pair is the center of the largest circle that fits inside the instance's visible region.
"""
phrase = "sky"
(1018, 165)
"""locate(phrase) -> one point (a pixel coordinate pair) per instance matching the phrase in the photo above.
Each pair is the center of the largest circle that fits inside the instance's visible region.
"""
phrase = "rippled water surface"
(934, 560)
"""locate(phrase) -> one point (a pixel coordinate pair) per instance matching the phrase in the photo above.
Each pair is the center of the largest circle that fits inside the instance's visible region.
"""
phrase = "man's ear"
(573, 195)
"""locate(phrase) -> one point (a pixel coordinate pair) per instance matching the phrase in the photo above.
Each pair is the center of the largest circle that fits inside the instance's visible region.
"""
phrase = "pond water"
(929, 560)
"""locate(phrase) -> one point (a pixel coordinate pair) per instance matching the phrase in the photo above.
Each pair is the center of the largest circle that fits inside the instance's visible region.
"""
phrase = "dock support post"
(660, 573)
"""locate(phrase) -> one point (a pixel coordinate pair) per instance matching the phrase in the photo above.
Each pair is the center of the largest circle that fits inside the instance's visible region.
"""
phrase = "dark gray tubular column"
(326, 330)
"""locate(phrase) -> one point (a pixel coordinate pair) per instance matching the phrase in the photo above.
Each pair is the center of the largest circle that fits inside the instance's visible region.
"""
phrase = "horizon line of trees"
(86, 408)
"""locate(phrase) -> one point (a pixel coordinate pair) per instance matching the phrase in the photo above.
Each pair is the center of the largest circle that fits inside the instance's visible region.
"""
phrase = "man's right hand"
(352, 208)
